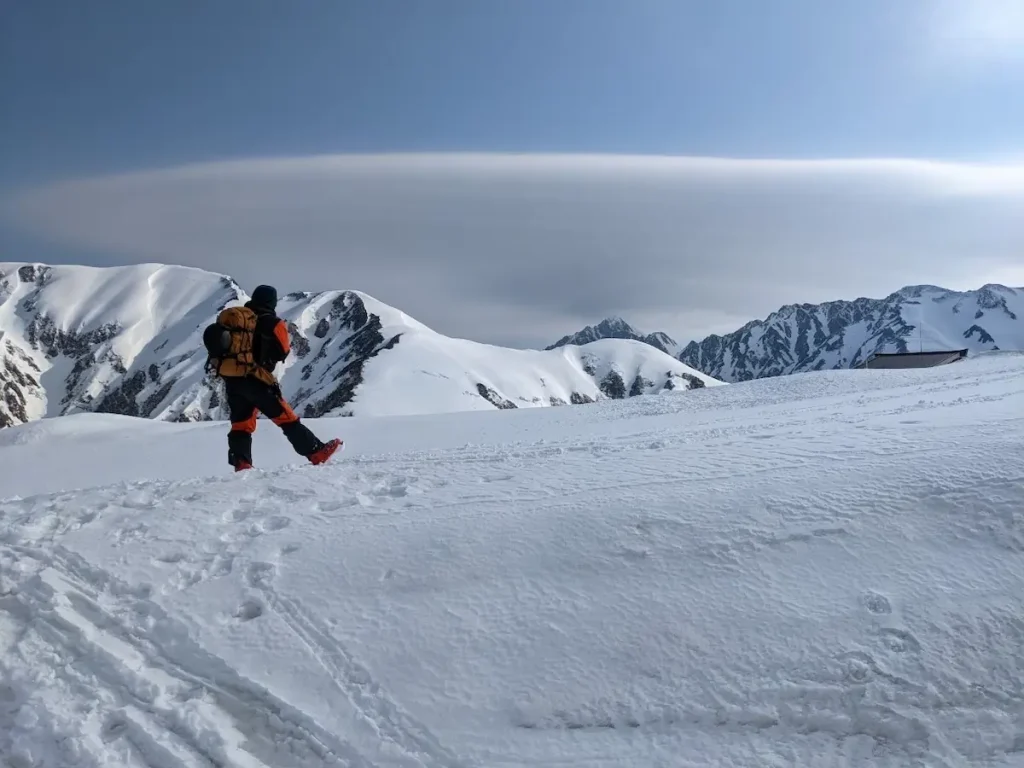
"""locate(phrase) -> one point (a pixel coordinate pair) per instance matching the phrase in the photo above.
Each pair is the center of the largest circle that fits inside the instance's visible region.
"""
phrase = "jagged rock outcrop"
(617, 328)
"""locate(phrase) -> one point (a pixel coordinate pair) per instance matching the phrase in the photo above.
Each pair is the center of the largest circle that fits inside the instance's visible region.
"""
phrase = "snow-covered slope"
(118, 340)
(841, 334)
(823, 570)
(128, 340)
(617, 328)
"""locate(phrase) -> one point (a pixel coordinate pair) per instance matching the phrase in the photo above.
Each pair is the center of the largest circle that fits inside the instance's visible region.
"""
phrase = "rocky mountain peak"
(615, 327)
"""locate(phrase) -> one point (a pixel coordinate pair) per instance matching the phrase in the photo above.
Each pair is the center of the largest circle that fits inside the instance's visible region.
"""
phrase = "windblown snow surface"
(816, 570)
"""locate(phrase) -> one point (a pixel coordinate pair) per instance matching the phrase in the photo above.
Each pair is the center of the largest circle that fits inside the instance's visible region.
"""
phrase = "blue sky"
(98, 88)
(106, 85)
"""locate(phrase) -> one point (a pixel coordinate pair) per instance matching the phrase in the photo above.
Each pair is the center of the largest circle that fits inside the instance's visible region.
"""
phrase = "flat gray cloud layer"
(520, 249)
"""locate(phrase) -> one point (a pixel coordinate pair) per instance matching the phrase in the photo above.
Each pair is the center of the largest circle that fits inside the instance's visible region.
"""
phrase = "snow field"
(819, 570)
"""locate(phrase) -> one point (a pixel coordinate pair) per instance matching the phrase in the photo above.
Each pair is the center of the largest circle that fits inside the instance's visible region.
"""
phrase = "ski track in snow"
(106, 625)
(759, 577)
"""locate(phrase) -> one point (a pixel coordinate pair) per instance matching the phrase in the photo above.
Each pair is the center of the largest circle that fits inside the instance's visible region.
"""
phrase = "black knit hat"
(265, 296)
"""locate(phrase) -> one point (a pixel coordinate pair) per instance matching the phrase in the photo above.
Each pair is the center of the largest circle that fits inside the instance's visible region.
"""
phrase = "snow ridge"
(842, 334)
(128, 341)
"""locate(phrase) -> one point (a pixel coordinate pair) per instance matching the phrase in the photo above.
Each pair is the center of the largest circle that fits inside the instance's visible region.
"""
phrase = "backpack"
(229, 343)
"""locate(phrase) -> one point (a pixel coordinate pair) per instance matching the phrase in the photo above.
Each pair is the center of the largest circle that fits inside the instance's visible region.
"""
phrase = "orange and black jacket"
(271, 343)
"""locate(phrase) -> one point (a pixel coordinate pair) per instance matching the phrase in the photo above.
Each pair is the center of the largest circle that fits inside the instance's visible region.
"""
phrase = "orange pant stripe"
(249, 425)
(287, 416)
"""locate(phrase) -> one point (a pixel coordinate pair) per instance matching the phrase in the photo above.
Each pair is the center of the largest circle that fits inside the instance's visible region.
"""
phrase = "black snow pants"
(245, 397)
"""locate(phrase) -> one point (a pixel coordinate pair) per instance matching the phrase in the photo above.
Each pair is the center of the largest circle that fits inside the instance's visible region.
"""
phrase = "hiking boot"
(324, 452)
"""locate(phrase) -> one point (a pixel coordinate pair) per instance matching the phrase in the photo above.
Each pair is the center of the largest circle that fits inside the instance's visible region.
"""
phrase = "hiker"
(245, 345)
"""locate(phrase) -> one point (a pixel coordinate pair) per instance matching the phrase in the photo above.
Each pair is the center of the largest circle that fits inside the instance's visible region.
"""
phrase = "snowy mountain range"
(617, 328)
(841, 334)
(128, 340)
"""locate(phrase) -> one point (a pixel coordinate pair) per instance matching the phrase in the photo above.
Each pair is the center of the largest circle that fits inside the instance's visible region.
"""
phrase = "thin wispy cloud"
(522, 248)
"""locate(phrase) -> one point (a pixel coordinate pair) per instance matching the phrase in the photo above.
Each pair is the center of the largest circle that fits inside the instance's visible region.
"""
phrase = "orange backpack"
(229, 342)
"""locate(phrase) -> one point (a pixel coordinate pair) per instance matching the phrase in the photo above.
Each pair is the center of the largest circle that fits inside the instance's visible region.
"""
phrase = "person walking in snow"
(245, 344)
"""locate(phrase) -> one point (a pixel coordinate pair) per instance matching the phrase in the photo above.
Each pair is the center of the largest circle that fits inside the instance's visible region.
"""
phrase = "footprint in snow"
(277, 523)
(261, 574)
(858, 667)
(185, 578)
(170, 558)
(113, 729)
(236, 515)
(221, 565)
(139, 501)
(331, 506)
(876, 603)
(899, 640)
(288, 494)
(249, 610)
(396, 488)
(8, 698)
(130, 533)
